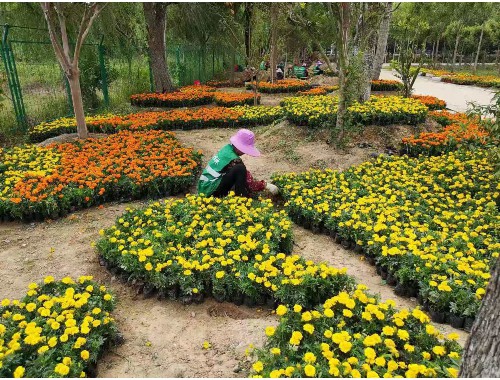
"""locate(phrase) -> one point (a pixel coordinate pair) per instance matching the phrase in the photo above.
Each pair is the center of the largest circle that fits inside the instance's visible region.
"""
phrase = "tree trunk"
(367, 69)
(233, 63)
(156, 23)
(481, 356)
(454, 59)
(248, 35)
(436, 57)
(274, 38)
(497, 60)
(76, 97)
(383, 35)
(479, 48)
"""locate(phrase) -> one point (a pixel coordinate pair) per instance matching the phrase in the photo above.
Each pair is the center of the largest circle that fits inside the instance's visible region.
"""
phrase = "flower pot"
(457, 321)
(219, 297)
(338, 238)
(401, 290)
(198, 297)
(383, 273)
(413, 289)
(358, 248)
(437, 316)
(173, 293)
(391, 279)
(346, 243)
(333, 234)
(315, 228)
(249, 301)
(187, 299)
(378, 269)
(468, 324)
(371, 260)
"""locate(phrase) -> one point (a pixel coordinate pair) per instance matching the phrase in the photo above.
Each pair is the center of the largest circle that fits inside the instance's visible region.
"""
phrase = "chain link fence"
(35, 88)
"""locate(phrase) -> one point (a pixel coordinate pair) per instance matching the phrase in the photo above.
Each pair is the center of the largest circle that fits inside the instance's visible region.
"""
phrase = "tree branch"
(47, 10)
(59, 8)
(93, 10)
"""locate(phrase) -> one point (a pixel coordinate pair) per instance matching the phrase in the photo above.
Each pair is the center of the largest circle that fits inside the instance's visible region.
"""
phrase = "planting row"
(213, 117)
(354, 335)
(48, 182)
(464, 79)
(458, 130)
(191, 96)
(59, 329)
(233, 249)
(314, 111)
(430, 224)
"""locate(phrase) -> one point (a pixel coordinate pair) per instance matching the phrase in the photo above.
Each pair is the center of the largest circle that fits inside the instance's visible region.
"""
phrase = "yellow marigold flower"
(258, 366)
(306, 316)
(345, 347)
(84, 355)
(452, 371)
(270, 330)
(310, 370)
(296, 308)
(220, 274)
(309, 328)
(439, 350)
(281, 310)
(18, 372)
(275, 351)
(61, 369)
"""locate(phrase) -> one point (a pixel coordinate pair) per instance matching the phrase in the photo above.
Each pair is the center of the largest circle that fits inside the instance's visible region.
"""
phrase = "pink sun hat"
(244, 141)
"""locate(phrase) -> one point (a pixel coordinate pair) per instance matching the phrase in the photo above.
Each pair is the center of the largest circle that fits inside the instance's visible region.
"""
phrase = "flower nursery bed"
(313, 111)
(322, 90)
(47, 182)
(386, 85)
(458, 130)
(58, 329)
(187, 119)
(431, 102)
(355, 335)
(281, 86)
(427, 223)
(233, 249)
(464, 79)
(188, 96)
(228, 99)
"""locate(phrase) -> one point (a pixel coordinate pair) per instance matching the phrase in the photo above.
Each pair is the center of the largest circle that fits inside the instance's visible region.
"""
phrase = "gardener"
(226, 171)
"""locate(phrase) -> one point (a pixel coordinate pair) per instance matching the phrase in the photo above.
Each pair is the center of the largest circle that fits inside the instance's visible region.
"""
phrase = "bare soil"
(164, 338)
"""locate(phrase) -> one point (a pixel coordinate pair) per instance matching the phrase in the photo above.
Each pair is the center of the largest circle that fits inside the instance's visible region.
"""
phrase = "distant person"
(317, 69)
(279, 73)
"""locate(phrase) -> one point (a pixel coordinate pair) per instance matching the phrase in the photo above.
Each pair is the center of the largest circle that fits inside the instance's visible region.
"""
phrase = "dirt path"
(456, 96)
(164, 338)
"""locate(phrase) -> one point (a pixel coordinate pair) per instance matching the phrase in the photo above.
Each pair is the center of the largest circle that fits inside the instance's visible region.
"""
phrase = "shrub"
(285, 85)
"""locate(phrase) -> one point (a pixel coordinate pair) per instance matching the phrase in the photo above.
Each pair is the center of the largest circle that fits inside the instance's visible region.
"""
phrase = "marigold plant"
(47, 182)
(314, 111)
(57, 330)
(386, 85)
(354, 335)
(285, 85)
(213, 117)
(431, 102)
(233, 248)
(231, 99)
(459, 130)
(185, 97)
(429, 223)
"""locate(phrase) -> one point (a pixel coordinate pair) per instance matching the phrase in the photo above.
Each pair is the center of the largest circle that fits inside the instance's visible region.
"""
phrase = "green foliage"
(405, 71)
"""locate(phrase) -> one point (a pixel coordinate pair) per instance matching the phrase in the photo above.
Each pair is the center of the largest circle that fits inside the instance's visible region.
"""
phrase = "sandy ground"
(456, 96)
(164, 338)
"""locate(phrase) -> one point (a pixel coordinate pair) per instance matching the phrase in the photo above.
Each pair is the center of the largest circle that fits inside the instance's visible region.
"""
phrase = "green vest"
(211, 176)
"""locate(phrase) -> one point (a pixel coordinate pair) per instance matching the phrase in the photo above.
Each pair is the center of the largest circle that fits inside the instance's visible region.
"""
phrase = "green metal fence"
(36, 89)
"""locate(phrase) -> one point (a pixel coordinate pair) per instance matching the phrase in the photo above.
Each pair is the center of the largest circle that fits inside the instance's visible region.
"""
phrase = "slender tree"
(383, 35)
(156, 24)
(66, 54)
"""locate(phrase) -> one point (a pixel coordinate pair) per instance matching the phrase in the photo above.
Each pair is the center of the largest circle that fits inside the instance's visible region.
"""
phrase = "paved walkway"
(456, 96)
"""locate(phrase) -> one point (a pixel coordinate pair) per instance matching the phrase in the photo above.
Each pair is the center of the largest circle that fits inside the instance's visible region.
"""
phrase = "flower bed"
(232, 248)
(431, 102)
(313, 111)
(224, 83)
(47, 182)
(213, 117)
(188, 96)
(285, 85)
(59, 329)
(464, 79)
(323, 90)
(354, 335)
(458, 130)
(386, 85)
(231, 99)
(428, 223)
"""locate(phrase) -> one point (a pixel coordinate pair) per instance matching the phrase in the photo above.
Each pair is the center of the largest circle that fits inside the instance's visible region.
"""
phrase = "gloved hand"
(273, 189)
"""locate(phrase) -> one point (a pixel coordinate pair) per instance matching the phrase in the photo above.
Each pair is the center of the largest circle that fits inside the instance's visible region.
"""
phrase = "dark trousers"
(235, 179)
